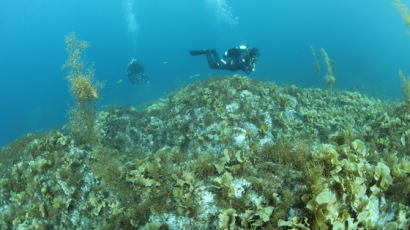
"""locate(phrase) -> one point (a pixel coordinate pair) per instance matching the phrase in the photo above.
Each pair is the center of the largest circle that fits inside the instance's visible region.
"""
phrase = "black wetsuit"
(135, 72)
(238, 58)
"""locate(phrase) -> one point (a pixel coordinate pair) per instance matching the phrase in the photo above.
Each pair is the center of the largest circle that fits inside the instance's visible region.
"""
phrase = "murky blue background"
(366, 38)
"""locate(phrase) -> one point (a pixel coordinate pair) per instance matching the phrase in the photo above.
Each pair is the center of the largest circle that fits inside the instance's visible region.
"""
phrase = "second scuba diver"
(135, 72)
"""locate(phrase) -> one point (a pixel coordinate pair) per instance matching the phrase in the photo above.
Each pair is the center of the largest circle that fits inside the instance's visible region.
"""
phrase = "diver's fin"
(197, 52)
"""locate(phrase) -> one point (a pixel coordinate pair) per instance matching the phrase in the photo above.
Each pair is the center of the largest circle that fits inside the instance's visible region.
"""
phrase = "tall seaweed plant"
(405, 14)
(84, 88)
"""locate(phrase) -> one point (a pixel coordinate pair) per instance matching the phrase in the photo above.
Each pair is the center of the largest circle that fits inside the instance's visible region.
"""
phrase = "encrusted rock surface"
(227, 153)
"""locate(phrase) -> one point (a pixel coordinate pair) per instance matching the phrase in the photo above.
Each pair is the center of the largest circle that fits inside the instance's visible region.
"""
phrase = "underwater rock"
(226, 153)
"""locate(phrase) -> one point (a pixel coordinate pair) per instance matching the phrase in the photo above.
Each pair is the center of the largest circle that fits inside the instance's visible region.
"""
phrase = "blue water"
(366, 38)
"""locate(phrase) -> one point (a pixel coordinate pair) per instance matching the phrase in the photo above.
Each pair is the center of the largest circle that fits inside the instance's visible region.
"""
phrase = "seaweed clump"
(330, 66)
(84, 88)
(406, 86)
(404, 11)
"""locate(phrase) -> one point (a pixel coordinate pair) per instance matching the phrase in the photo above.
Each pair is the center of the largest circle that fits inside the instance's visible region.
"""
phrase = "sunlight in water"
(130, 16)
(224, 11)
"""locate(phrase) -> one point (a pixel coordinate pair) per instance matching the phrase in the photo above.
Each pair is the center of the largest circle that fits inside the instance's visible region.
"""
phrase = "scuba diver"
(238, 58)
(135, 72)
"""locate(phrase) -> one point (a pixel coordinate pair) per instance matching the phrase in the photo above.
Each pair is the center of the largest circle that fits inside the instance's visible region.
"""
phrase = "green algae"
(226, 153)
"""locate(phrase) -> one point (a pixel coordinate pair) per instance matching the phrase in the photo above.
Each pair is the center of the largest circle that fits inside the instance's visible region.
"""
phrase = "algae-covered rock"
(226, 153)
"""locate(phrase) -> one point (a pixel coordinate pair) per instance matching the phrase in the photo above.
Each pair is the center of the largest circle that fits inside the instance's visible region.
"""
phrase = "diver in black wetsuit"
(135, 72)
(238, 58)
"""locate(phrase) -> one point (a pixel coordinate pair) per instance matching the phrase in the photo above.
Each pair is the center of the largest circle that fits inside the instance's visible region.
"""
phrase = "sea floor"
(226, 153)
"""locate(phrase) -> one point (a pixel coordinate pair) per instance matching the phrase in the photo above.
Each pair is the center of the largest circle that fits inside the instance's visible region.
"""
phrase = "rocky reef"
(226, 153)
